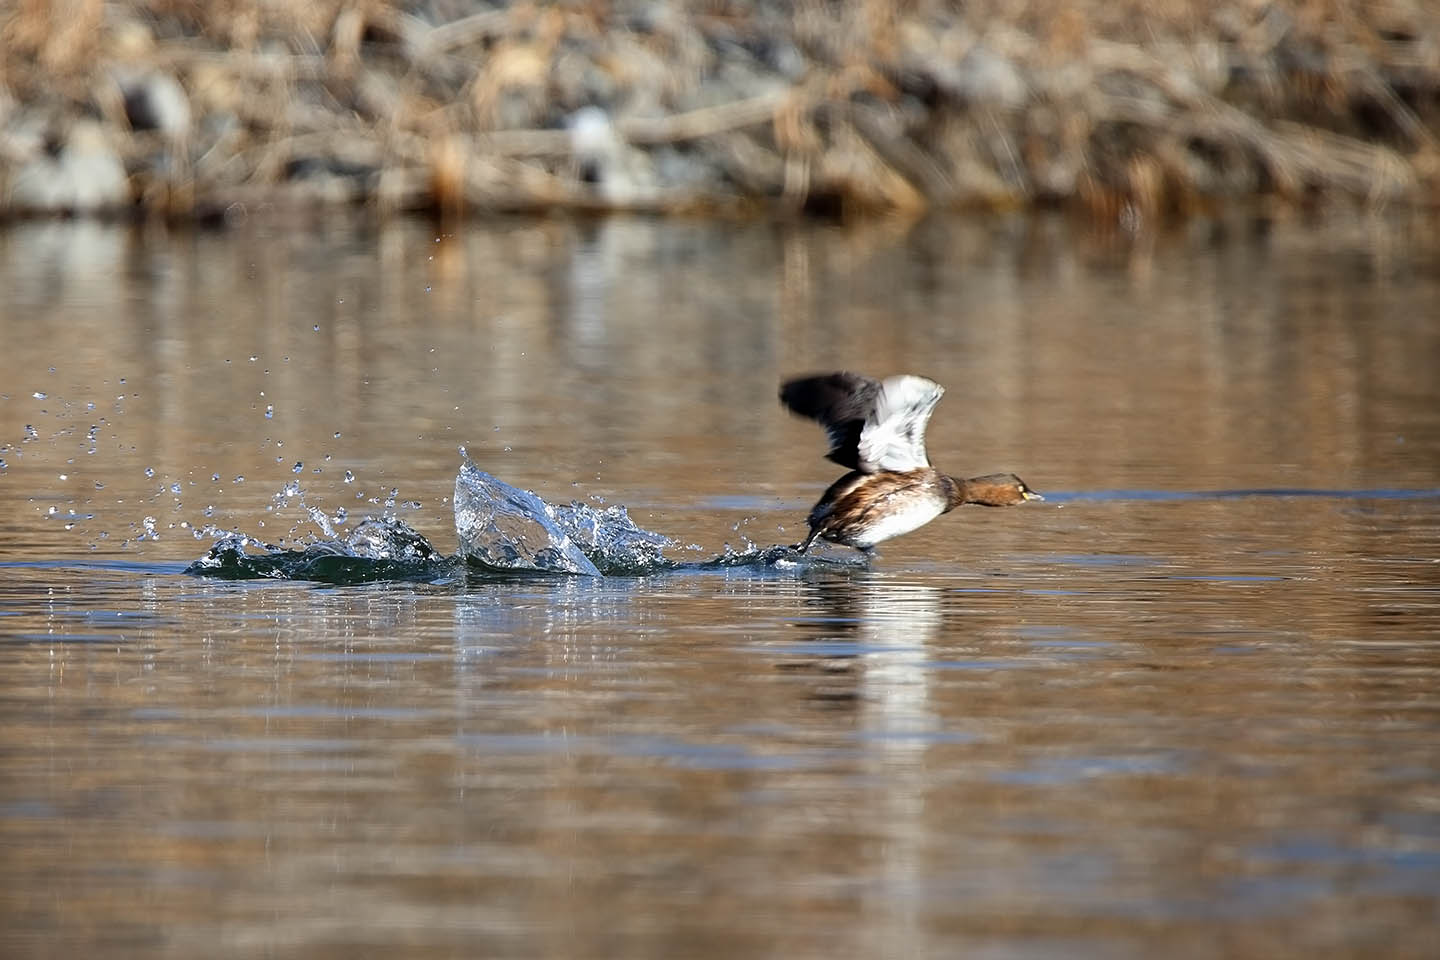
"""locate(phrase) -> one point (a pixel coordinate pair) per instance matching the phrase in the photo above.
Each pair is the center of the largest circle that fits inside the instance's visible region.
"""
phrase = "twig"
(460, 33)
(704, 122)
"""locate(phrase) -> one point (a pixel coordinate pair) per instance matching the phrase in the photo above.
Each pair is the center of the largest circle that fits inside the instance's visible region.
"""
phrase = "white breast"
(912, 517)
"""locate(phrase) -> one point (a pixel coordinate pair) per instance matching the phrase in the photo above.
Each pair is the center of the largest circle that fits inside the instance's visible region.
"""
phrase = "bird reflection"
(877, 634)
(890, 629)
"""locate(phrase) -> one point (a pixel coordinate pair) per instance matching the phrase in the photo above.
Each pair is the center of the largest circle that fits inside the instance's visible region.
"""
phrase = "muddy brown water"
(1189, 706)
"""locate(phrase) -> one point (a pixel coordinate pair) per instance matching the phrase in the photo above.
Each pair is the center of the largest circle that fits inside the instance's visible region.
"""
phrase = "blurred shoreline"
(1130, 112)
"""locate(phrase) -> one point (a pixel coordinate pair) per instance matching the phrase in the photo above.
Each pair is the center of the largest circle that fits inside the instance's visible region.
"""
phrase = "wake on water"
(501, 530)
(507, 532)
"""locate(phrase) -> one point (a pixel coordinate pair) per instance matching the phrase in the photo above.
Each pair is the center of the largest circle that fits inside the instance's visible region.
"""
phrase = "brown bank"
(1129, 110)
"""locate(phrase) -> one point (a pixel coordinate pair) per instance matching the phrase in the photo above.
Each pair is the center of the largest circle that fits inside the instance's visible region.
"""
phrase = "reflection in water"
(580, 343)
(901, 621)
(1191, 701)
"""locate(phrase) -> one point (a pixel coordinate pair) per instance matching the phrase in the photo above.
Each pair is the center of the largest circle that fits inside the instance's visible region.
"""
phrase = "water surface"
(1187, 706)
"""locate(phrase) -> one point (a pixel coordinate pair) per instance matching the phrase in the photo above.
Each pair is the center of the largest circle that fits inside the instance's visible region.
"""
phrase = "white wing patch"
(893, 437)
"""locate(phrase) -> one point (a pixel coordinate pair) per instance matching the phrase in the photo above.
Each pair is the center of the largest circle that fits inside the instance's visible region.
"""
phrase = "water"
(1186, 706)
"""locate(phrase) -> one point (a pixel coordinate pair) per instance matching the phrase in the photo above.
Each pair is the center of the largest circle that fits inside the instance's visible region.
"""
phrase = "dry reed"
(1132, 110)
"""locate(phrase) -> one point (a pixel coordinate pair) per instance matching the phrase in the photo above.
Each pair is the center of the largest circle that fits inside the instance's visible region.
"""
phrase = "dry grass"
(1131, 110)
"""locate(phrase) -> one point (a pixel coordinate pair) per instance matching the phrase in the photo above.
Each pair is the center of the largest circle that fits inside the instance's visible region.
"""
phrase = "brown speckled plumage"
(878, 429)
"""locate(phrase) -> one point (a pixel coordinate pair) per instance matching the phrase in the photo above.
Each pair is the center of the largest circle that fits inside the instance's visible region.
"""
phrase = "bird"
(877, 429)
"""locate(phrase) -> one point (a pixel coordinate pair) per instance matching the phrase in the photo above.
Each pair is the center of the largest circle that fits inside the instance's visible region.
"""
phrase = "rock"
(36, 187)
(594, 143)
(620, 174)
(984, 77)
(96, 174)
(85, 176)
(156, 102)
(787, 60)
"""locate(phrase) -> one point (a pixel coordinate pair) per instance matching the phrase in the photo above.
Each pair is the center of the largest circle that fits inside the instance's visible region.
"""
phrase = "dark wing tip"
(840, 402)
(829, 397)
(800, 395)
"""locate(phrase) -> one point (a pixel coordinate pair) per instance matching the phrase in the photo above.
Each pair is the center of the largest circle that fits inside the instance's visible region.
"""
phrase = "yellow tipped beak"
(1032, 495)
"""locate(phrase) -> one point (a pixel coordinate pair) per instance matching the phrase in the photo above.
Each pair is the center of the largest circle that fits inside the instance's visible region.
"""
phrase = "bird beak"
(1032, 495)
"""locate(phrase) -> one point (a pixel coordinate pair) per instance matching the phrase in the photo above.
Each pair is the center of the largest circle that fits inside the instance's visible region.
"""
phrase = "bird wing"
(894, 434)
(840, 402)
(873, 425)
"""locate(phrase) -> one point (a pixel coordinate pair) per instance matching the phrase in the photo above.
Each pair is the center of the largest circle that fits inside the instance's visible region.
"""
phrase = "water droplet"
(239, 478)
(269, 411)
(99, 485)
(209, 511)
(38, 395)
(175, 487)
(52, 369)
(52, 511)
(337, 434)
(349, 477)
(507, 448)
(149, 472)
(298, 467)
(317, 326)
(64, 476)
(214, 477)
(253, 358)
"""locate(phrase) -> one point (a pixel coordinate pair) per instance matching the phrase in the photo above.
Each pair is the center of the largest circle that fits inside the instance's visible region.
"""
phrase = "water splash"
(501, 530)
(612, 541)
(505, 528)
(382, 548)
(501, 527)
